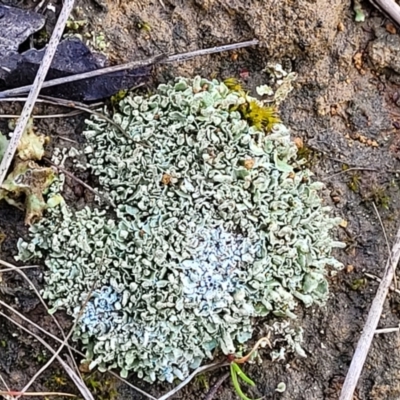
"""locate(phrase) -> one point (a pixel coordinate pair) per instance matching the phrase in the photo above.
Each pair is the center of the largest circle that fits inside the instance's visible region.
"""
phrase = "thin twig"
(352, 169)
(392, 288)
(166, 396)
(40, 5)
(131, 65)
(260, 342)
(70, 347)
(35, 394)
(73, 104)
(24, 267)
(386, 239)
(132, 386)
(35, 89)
(30, 283)
(389, 7)
(204, 52)
(63, 344)
(84, 75)
(67, 139)
(79, 384)
(54, 357)
(199, 370)
(387, 330)
(44, 116)
(83, 107)
(65, 341)
(371, 324)
(80, 181)
(4, 382)
(213, 391)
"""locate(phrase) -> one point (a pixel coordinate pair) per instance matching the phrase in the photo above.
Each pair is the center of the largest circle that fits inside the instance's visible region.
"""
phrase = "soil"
(345, 108)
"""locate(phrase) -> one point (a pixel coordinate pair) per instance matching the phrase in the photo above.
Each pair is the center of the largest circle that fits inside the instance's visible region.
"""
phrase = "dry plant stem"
(388, 171)
(64, 343)
(35, 89)
(36, 394)
(84, 75)
(79, 106)
(255, 347)
(213, 391)
(380, 280)
(67, 139)
(389, 7)
(131, 65)
(387, 330)
(4, 382)
(371, 324)
(55, 356)
(75, 378)
(30, 283)
(386, 239)
(80, 181)
(39, 116)
(85, 108)
(204, 52)
(59, 341)
(352, 169)
(24, 267)
(199, 370)
(132, 386)
(190, 377)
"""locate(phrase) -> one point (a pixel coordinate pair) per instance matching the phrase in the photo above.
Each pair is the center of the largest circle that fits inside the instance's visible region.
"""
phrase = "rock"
(384, 52)
(72, 57)
(16, 26)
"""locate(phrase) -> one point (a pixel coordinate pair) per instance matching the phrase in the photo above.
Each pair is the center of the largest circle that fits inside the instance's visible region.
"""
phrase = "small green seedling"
(235, 373)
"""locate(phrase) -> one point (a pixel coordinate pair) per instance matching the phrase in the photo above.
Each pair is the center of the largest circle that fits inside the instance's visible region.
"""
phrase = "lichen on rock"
(183, 265)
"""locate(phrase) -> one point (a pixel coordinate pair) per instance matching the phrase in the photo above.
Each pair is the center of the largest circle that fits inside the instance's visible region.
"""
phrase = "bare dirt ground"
(344, 107)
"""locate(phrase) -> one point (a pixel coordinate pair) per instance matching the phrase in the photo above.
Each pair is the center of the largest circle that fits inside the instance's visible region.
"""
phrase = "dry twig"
(25, 267)
(71, 104)
(389, 8)
(44, 116)
(386, 239)
(134, 64)
(213, 391)
(199, 370)
(80, 181)
(387, 330)
(30, 283)
(75, 378)
(35, 394)
(261, 342)
(371, 324)
(35, 88)
(4, 382)
(392, 288)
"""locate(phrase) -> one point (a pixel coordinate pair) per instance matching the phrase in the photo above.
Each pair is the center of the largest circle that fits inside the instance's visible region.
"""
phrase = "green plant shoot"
(235, 373)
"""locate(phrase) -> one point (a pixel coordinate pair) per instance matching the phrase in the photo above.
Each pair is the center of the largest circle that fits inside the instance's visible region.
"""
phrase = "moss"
(358, 284)
(202, 381)
(354, 182)
(308, 155)
(259, 116)
(102, 387)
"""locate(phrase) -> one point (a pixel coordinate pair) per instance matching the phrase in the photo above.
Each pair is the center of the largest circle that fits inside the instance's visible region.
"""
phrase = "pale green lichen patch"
(216, 223)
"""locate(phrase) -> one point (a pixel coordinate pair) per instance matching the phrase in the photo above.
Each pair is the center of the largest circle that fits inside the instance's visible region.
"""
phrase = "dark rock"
(16, 26)
(72, 57)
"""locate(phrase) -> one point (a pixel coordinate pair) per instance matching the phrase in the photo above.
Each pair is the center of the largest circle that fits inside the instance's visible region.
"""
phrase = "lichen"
(216, 223)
